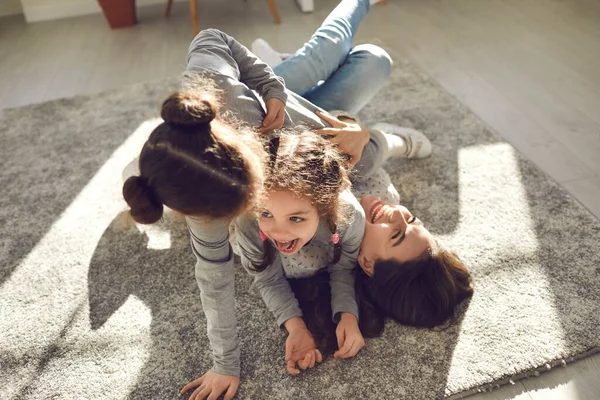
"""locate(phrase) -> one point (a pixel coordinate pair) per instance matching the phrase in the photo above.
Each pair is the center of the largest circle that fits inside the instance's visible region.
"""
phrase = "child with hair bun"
(199, 165)
(302, 246)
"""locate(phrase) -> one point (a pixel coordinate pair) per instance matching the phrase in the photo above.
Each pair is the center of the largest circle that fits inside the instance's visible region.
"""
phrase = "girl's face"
(288, 221)
(391, 233)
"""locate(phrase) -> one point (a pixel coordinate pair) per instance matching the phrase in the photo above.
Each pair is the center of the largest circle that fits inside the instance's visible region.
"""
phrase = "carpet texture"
(93, 306)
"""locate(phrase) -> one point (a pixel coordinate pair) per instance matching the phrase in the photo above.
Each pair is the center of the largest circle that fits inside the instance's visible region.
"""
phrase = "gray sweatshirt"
(246, 83)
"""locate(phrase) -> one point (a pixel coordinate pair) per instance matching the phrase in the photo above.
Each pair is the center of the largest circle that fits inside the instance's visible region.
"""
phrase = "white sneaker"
(265, 52)
(417, 144)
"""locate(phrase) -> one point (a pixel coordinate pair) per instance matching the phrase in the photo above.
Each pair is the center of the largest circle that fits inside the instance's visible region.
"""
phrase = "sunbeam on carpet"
(57, 284)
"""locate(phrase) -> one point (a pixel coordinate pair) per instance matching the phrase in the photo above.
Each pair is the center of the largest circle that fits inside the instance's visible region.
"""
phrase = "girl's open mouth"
(286, 247)
(377, 211)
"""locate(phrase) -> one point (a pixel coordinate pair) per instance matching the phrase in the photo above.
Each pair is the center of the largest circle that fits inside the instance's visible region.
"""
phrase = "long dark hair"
(309, 166)
(195, 164)
(421, 293)
(314, 298)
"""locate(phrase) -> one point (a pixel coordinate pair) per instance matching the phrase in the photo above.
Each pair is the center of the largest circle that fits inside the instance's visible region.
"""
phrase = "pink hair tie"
(335, 238)
(263, 237)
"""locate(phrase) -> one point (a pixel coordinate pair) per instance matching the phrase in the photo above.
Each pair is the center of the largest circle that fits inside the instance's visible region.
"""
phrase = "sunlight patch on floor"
(495, 217)
(51, 282)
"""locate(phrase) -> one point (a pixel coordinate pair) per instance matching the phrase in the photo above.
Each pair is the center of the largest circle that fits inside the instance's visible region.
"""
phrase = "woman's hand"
(350, 137)
(275, 115)
(349, 338)
(300, 347)
(211, 385)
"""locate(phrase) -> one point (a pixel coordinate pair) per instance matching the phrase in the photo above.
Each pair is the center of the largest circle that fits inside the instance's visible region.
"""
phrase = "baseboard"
(75, 8)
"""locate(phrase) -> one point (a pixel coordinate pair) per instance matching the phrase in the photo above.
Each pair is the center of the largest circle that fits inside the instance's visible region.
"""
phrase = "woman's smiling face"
(391, 232)
(288, 221)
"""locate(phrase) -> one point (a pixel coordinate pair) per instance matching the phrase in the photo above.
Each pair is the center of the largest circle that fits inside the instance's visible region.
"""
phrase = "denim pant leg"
(364, 72)
(327, 49)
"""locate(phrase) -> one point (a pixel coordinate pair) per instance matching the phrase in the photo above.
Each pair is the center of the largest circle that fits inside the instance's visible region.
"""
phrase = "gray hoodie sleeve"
(341, 274)
(271, 283)
(218, 52)
(215, 276)
(236, 70)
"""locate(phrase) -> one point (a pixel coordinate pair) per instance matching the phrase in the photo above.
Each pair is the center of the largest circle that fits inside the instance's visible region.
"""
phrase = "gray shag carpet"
(93, 306)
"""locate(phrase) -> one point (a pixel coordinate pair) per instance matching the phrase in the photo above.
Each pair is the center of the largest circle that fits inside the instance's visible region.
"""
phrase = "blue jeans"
(329, 72)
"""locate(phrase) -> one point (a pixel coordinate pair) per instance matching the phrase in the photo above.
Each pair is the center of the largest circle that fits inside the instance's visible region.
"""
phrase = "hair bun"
(189, 109)
(145, 208)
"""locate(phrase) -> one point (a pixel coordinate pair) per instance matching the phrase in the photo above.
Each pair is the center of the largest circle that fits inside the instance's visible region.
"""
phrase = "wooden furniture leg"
(274, 11)
(168, 9)
(194, 13)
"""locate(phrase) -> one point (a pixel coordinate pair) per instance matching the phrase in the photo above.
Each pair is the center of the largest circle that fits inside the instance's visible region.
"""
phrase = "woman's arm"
(218, 52)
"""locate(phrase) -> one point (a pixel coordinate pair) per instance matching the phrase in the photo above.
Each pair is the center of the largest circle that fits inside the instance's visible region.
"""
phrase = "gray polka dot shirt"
(317, 254)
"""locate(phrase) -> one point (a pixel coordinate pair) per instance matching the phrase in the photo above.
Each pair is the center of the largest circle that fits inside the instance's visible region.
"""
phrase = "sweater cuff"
(276, 93)
(210, 238)
(227, 370)
(291, 312)
(349, 308)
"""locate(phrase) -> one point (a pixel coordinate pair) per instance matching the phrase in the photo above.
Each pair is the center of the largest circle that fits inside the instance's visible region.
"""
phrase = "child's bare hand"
(300, 347)
(349, 338)
(275, 115)
(350, 137)
(211, 385)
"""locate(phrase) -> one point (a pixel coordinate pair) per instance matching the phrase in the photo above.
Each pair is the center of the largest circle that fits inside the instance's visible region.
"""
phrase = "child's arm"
(342, 274)
(300, 346)
(271, 283)
(278, 296)
(215, 277)
(216, 51)
(342, 277)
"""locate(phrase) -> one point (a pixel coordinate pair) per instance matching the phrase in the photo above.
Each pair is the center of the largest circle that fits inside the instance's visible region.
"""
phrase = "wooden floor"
(528, 68)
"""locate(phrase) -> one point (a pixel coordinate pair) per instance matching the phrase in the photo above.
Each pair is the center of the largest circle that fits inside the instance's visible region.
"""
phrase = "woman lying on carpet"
(212, 172)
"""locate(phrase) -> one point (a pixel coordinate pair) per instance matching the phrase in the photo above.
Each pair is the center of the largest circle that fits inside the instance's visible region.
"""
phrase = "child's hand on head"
(349, 338)
(275, 115)
(300, 347)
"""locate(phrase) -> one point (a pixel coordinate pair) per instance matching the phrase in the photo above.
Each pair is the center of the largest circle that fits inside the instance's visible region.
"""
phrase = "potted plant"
(119, 13)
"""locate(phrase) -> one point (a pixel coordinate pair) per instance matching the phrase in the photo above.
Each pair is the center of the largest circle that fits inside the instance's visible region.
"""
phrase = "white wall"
(10, 7)
(42, 10)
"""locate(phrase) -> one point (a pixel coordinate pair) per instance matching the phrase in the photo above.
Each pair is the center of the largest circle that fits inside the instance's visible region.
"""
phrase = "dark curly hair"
(194, 163)
(309, 166)
(314, 298)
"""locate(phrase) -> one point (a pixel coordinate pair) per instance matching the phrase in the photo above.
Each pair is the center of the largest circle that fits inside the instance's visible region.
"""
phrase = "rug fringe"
(488, 387)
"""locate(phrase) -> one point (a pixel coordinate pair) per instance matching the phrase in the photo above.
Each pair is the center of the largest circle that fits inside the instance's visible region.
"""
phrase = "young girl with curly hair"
(302, 245)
